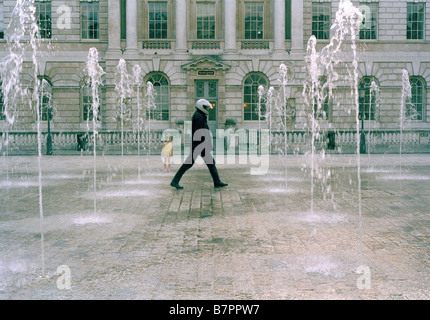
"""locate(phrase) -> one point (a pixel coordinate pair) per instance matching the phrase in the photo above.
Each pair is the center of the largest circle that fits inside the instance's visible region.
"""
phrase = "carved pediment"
(205, 63)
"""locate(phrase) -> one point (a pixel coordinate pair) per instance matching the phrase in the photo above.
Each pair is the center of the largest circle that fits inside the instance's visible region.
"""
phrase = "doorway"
(208, 89)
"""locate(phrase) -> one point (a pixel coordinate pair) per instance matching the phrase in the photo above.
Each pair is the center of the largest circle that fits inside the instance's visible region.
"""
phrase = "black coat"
(200, 121)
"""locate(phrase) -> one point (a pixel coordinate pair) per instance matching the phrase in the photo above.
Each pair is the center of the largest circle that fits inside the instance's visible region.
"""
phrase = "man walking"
(200, 129)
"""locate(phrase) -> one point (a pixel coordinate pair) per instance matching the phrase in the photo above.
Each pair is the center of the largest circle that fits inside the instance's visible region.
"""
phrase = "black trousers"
(189, 162)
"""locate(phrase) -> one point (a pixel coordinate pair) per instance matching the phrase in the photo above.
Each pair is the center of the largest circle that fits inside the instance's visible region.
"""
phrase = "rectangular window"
(321, 20)
(157, 20)
(205, 20)
(90, 20)
(123, 13)
(288, 19)
(43, 16)
(415, 23)
(1, 22)
(254, 20)
(369, 26)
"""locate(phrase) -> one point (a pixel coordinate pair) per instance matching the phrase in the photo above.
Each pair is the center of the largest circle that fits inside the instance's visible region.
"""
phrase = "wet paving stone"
(262, 237)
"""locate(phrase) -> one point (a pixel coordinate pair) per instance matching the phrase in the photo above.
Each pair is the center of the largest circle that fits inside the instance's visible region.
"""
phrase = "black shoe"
(220, 185)
(176, 185)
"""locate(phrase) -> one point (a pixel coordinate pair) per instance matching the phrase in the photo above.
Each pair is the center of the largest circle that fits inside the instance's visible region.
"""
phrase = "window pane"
(1, 23)
(43, 16)
(369, 26)
(321, 20)
(414, 110)
(44, 101)
(288, 19)
(89, 20)
(157, 20)
(87, 107)
(415, 22)
(367, 106)
(205, 20)
(123, 10)
(200, 89)
(2, 106)
(321, 108)
(162, 106)
(86, 103)
(251, 98)
(254, 20)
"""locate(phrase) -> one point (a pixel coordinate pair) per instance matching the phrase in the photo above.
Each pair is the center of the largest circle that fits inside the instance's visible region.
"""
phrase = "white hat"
(202, 103)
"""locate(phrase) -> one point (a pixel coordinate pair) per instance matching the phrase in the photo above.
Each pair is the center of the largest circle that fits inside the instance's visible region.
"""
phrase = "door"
(208, 89)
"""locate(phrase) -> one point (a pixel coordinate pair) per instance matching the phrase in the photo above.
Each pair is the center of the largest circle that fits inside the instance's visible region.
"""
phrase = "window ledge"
(89, 40)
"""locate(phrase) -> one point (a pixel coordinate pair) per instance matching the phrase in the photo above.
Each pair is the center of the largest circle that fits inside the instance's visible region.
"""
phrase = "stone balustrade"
(157, 44)
(252, 44)
(206, 44)
(26, 142)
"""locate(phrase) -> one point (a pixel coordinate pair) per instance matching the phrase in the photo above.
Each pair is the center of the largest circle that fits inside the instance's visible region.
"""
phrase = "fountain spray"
(150, 105)
(406, 97)
(23, 32)
(348, 20)
(374, 95)
(312, 93)
(260, 115)
(95, 73)
(137, 81)
(283, 80)
(270, 100)
(124, 90)
(283, 113)
(323, 63)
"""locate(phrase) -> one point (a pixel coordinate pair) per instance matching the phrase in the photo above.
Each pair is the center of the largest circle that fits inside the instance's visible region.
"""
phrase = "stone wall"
(63, 61)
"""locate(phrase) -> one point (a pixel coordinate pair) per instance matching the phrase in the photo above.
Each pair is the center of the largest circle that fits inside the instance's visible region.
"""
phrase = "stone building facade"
(223, 50)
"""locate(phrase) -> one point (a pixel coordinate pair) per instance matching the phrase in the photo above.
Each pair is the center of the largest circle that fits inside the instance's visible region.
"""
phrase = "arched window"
(251, 98)
(2, 107)
(87, 103)
(415, 110)
(162, 98)
(45, 99)
(366, 103)
(322, 107)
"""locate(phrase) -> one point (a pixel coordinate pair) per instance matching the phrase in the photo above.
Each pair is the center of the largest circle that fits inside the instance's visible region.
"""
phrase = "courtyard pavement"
(262, 237)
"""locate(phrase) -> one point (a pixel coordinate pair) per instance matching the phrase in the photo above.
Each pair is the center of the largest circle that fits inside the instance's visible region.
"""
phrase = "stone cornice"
(205, 63)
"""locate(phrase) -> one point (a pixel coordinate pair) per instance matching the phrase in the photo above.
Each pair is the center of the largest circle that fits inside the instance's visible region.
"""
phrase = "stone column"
(230, 25)
(114, 27)
(297, 25)
(131, 15)
(279, 25)
(181, 25)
